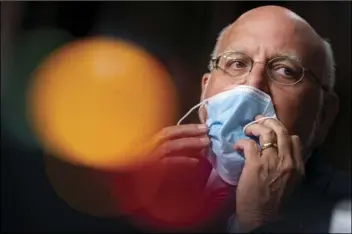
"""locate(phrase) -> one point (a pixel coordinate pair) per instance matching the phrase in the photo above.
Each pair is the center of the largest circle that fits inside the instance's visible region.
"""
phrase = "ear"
(202, 112)
(205, 80)
(328, 115)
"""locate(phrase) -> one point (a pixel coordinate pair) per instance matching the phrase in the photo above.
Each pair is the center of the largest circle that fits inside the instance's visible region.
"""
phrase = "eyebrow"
(277, 54)
(289, 55)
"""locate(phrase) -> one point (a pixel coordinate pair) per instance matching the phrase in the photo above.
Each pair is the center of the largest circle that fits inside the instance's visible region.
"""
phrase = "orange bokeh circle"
(97, 102)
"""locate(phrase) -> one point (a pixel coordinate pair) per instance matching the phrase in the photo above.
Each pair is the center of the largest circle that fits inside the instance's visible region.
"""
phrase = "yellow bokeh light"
(97, 102)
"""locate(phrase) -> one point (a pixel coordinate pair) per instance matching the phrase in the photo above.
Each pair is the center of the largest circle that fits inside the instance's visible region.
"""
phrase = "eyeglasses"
(282, 70)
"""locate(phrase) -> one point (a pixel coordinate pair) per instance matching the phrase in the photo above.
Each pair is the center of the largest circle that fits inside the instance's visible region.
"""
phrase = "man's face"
(263, 36)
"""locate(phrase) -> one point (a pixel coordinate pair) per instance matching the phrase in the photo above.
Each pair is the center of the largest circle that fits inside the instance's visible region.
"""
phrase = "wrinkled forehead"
(264, 38)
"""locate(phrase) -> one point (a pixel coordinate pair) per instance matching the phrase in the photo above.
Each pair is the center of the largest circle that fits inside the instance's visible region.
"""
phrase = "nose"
(257, 77)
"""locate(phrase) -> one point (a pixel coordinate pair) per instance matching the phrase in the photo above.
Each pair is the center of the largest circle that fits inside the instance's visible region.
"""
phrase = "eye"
(236, 64)
(285, 71)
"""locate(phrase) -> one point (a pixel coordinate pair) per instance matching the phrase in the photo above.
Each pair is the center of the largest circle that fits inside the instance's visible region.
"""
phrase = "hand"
(268, 176)
(178, 152)
(175, 148)
(177, 161)
(180, 144)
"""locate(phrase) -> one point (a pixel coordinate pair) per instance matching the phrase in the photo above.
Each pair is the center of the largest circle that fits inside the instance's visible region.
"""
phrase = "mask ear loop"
(258, 120)
(190, 111)
(198, 105)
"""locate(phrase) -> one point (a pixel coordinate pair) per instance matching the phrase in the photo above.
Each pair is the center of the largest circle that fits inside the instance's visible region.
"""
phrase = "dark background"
(182, 36)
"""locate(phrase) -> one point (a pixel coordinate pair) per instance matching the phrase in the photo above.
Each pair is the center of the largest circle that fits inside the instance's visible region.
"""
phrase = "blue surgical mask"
(229, 113)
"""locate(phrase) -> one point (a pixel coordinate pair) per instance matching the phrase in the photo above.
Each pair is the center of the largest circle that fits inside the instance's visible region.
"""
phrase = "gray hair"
(329, 63)
(215, 51)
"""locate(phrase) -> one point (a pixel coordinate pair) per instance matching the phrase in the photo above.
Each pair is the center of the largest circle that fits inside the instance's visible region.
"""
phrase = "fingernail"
(202, 127)
(205, 140)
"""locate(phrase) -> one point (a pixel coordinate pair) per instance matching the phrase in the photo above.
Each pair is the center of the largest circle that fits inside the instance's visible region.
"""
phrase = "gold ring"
(267, 145)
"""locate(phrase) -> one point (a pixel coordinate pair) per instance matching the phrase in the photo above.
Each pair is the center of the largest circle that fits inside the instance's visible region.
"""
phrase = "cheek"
(297, 111)
(287, 112)
(202, 114)
(217, 84)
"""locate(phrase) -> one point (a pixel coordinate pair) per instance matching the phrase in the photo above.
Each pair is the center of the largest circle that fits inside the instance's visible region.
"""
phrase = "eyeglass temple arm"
(317, 80)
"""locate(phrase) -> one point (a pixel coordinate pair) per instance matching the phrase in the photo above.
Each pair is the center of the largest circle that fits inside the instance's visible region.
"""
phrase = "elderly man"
(266, 103)
(270, 63)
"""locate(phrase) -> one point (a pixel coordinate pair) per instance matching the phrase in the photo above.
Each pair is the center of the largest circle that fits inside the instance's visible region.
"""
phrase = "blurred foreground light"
(27, 53)
(100, 193)
(183, 202)
(96, 103)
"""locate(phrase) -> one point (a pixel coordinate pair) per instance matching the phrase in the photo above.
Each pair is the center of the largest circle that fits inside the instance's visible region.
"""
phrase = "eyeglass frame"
(214, 64)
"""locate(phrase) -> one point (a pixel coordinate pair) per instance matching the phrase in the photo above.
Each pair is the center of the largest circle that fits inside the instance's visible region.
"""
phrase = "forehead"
(265, 38)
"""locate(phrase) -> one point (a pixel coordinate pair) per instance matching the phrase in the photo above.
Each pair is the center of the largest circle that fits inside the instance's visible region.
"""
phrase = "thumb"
(249, 148)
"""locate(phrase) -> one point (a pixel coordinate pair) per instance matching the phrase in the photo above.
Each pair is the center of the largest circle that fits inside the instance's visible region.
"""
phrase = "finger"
(266, 135)
(294, 170)
(297, 154)
(259, 117)
(277, 123)
(186, 130)
(282, 136)
(249, 148)
(181, 146)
